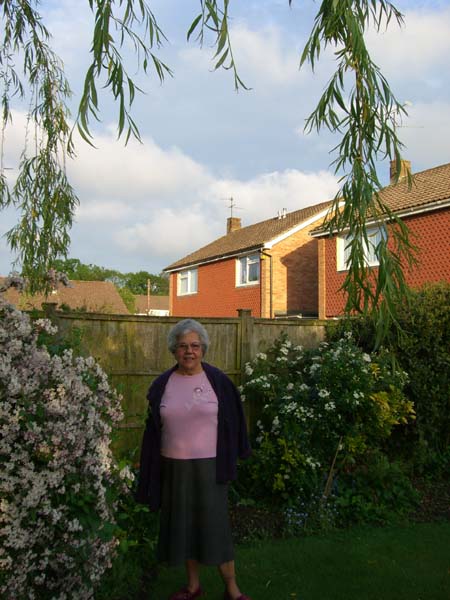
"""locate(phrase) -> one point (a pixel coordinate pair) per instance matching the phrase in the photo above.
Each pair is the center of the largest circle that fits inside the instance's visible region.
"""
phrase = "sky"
(149, 204)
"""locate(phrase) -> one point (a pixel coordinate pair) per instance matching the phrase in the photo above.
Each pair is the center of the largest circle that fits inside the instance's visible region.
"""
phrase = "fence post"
(245, 314)
(49, 309)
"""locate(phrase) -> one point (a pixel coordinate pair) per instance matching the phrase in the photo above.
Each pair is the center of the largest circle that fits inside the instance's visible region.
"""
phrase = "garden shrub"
(421, 346)
(378, 491)
(59, 482)
(134, 565)
(334, 403)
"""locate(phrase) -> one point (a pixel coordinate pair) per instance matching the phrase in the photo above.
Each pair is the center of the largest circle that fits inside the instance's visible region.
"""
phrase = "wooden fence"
(133, 351)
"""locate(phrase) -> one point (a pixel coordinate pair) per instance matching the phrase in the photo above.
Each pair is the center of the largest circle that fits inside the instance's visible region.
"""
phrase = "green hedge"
(421, 345)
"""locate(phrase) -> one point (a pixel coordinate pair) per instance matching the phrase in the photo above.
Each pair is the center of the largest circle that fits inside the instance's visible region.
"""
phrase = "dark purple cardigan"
(232, 438)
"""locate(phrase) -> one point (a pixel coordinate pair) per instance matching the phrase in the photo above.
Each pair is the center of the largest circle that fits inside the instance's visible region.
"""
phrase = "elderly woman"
(194, 435)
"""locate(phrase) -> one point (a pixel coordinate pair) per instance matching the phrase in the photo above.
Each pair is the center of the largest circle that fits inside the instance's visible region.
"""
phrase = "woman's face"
(189, 353)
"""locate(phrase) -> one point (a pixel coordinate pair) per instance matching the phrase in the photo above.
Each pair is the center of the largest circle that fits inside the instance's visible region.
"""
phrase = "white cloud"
(103, 211)
(14, 142)
(264, 57)
(412, 51)
(135, 173)
(157, 205)
(71, 25)
(169, 233)
(261, 197)
(426, 134)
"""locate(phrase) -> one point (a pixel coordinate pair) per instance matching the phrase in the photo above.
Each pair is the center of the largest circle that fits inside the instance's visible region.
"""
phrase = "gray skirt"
(194, 521)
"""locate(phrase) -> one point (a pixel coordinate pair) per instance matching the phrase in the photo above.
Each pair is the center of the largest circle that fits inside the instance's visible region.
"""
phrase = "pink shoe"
(185, 594)
(227, 596)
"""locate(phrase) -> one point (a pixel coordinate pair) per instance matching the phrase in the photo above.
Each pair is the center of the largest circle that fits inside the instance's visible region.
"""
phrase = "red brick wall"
(217, 294)
(334, 299)
(295, 274)
(430, 232)
(433, 239)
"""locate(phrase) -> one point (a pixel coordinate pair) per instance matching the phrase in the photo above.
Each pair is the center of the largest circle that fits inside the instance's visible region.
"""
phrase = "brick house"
(269, 267)
(424, 208)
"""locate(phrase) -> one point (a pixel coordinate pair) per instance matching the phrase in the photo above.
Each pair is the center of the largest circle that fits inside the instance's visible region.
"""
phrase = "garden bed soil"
(253, 522)
(435, 500)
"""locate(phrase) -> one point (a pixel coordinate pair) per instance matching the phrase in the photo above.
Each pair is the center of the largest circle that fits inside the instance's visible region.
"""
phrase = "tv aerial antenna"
(398, 124)
(232, 206)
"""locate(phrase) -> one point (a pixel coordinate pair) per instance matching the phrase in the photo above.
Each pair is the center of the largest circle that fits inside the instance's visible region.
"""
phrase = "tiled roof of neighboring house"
(91, 296)
(249, 238)
(428, 189)
(156, 303)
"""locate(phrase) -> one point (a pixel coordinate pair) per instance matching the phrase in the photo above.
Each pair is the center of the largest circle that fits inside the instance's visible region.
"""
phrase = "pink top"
(189, 408)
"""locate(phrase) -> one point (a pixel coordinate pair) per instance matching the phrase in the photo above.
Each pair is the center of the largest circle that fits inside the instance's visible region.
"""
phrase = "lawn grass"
(392, 563)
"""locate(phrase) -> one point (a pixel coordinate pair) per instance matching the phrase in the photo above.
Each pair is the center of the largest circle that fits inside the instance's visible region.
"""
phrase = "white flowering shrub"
(315, 405)
(58, 481)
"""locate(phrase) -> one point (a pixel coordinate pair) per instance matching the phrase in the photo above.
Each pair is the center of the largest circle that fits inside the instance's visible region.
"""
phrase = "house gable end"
(246, 239)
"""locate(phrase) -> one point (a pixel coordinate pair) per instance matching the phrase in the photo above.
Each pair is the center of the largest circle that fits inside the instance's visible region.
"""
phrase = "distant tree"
(135, 283)
(79, 271)
(128, 297)
(160, 284)
(138, 282)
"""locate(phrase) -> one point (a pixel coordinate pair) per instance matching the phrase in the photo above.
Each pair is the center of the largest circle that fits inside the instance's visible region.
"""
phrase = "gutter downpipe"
(269, 256)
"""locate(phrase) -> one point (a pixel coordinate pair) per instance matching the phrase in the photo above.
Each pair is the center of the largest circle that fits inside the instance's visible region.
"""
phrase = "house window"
(187, 282)
(375, 235)
(247, 271)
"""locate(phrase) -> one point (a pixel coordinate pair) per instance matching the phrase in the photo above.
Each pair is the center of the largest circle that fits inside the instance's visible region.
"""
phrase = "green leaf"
(193, 26)
(222, 60)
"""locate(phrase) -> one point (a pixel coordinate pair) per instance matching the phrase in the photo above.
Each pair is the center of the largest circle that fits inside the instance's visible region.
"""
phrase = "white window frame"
(243, 264)
(191, 278)
(374, 235)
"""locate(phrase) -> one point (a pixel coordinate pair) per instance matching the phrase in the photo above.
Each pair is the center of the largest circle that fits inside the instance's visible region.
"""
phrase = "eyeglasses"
(195, 347)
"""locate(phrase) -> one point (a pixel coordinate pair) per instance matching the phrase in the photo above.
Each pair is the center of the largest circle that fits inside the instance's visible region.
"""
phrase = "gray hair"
(187, 326)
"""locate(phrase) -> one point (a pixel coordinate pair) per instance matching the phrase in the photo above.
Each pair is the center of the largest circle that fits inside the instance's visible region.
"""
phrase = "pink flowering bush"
(59, 482)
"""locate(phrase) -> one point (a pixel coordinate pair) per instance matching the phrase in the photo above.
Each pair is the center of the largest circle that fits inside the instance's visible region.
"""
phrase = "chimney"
(233, 223)
(403, 168)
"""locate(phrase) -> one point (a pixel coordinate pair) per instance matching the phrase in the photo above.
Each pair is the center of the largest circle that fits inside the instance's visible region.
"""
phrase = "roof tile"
(156, 302)
(249, 238)
(428, 187)
(91, 296)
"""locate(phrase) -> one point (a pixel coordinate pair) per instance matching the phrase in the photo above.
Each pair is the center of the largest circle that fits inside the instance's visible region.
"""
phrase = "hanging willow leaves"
(214, 18)
(366, 119)
(42, 193)
(119, 19)
(43, 196)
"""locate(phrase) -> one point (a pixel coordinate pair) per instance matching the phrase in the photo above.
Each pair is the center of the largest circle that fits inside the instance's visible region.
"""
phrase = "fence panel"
(307, 333)
(133, 351)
